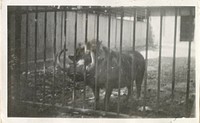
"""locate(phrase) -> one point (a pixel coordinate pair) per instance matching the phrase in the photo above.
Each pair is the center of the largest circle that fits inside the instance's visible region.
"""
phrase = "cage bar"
(86, 32)
(61, 28)
(133, 47)
(133, 51)
(120, 60)
(116, 31)
(174, 54)
(159, 58)
(146, 57)
(108, 61)
(54, 56)
(64, 59)
(96, 65)
(44, 55)
(188, 75)
(74, 60)
(9, 68)
(134, 28)
(17, 65)
(19, 86)
(26, 54)
(188, 78)
(35, 62)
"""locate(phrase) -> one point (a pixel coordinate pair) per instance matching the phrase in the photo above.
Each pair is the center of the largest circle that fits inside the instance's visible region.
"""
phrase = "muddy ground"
(63, 91)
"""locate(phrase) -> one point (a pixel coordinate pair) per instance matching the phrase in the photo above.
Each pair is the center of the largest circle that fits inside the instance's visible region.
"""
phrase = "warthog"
(86, 55)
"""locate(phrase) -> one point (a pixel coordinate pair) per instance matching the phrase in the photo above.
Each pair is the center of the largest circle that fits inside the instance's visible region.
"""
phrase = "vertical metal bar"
(133, 48)
(10, 73)
(35, 62)
(120, 60)
(108, 61)
(86, 32)
(22, 83)
(64, 60)
(44, 51)
(159, 59)
(75, 43)
(26, 54)
(174, 55)
(17, 65)
(96, 62)
(134, 28)
(54, 56)
(146, 57)
(95, 20)
(188, 78)
(61, 29)
(188, 74)
(116, 32)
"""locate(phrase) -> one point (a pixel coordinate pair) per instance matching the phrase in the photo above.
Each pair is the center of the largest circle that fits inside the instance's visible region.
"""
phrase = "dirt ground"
(63, 91)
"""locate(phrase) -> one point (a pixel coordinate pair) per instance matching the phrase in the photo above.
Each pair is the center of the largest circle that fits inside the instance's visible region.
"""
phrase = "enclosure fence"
(37, 34)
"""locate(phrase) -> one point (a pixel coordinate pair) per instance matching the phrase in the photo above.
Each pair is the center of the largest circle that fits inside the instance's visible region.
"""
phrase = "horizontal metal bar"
(69, 10)
(103, 10)
(84, 111)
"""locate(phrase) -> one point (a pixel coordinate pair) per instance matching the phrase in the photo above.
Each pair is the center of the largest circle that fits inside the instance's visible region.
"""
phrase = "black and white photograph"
(97, 61)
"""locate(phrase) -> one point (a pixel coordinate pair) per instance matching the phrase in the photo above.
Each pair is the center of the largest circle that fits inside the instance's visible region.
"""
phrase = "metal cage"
(34, 79)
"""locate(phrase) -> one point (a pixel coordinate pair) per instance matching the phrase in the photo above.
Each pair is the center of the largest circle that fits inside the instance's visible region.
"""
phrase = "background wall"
(60, 38)
(154, 33)
(168, 34)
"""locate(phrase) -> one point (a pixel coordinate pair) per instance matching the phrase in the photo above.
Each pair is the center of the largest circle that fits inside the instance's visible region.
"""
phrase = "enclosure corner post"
(17, 67)
(9, 68)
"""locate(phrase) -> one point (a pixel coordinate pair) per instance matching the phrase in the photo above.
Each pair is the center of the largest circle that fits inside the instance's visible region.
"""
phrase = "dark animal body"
(127, 75)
